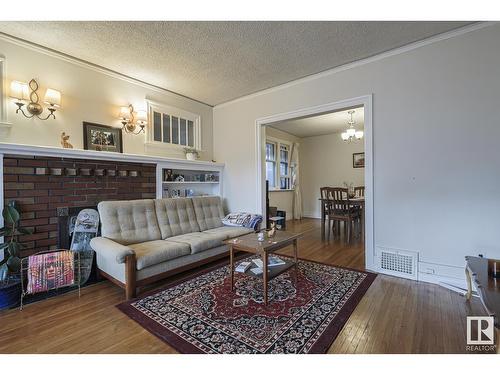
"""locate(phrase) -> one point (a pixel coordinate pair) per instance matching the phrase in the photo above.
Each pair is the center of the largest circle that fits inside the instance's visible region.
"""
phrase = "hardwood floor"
(395, 315)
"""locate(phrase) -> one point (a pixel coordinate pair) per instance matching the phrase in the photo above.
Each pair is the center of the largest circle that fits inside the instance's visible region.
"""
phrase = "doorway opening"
(302, 151)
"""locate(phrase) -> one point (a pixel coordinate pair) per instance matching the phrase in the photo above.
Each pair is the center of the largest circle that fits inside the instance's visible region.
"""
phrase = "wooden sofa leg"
(130, 277)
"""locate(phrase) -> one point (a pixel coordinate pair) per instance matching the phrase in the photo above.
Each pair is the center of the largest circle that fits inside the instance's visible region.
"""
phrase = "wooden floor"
(395, 315)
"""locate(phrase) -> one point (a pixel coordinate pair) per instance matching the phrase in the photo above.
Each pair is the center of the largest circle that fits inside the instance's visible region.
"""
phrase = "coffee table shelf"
(272, 272)
(249, 243)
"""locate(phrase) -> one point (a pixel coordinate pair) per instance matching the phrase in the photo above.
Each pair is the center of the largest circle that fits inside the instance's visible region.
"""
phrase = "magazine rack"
(81, 266)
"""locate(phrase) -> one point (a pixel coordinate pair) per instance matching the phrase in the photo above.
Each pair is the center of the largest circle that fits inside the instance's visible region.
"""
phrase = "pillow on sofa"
(242, 219)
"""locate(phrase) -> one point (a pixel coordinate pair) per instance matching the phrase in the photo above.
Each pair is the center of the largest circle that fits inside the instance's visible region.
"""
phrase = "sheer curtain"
(297, 193)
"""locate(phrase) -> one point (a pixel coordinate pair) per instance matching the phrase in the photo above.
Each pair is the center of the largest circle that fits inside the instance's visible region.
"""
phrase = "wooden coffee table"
(250, 244)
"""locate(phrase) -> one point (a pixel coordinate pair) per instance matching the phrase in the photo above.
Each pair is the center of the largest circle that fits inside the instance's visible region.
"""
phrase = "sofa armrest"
(110, 249)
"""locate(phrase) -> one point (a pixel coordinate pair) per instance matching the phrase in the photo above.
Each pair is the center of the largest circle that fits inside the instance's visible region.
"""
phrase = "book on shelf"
(243, 266)
(258, 263)
(275, 261)
(271, 262)
(257, 271)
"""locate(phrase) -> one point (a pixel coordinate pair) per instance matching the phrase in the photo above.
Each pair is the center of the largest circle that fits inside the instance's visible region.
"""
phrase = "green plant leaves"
(14, 264)
(11, 262)
(14, 248)
(23, 231)
(10, 215)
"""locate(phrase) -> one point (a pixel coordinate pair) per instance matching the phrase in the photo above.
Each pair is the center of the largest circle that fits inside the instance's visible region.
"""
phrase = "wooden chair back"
(324, 196)
(324, 192)
(359, 191)
(339, 200)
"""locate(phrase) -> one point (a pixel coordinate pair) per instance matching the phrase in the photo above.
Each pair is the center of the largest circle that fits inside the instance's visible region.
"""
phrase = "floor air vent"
(400, 263)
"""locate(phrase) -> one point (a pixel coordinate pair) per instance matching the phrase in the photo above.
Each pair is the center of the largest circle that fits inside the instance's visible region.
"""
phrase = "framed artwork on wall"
(358, 160)
(102, 138)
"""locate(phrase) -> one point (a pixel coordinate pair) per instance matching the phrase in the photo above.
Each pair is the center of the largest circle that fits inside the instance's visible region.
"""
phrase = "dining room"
(328, 193)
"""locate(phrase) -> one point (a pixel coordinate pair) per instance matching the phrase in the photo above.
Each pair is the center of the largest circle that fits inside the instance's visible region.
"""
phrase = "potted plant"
(10, 265)
(191, 153)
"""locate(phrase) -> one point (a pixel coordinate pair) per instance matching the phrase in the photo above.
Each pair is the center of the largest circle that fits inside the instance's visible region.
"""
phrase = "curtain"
(297, 193)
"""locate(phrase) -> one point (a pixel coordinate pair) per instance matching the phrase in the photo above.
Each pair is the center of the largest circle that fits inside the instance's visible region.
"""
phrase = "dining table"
(353, 202)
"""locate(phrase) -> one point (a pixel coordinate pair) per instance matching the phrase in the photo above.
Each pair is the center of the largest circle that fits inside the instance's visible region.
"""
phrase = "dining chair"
(341, 210)
(324, 196)
(359, 191)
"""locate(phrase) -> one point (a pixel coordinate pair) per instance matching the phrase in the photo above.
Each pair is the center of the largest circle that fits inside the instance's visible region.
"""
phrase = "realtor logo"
(480, 330)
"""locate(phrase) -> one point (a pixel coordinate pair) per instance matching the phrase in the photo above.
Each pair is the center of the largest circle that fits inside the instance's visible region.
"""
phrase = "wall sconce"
(20, 92)
(130, 120)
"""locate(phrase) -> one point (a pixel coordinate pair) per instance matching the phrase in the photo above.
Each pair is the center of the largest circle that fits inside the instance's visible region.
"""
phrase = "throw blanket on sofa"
(242, 219)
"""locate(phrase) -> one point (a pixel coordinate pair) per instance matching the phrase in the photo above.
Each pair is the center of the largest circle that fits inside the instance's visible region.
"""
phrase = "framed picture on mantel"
(102, 138)
(358, 160)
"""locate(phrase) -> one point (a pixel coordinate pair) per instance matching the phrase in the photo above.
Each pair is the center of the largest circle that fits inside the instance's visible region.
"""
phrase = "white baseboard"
(448, 276)
(310, 215)
(443, 280)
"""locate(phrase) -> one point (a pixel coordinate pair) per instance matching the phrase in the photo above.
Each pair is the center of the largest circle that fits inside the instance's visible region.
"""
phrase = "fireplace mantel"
(48, 180)
(20, 149)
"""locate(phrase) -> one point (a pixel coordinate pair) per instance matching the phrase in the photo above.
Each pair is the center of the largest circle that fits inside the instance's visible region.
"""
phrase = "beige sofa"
(145, 240)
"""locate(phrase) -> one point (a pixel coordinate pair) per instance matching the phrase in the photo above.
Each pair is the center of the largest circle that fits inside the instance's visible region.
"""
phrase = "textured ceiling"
(215, 62)
(323, 124)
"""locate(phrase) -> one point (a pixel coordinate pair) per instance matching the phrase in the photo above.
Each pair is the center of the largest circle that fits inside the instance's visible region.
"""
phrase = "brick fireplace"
(50, 188)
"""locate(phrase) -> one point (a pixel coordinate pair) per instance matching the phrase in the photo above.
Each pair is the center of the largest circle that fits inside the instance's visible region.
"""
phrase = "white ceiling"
(335, 122)
(215, 62)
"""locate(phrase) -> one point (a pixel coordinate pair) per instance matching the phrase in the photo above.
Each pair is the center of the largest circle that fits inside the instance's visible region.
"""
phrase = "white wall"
(87, 95)
(326, 160)
(282, 199)
(436, 144)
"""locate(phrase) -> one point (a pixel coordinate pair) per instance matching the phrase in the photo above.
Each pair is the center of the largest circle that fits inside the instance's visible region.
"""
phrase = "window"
(278, 170)
(271, 164)
(173, 126)
(284, 166)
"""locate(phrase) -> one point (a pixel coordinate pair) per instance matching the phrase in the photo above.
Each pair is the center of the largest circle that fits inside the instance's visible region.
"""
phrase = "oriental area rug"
(201, 314)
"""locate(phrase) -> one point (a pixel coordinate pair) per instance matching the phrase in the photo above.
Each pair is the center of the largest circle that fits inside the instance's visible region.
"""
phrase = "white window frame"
(277, 178)
(176, 112)
(288, 175)
(275, 161)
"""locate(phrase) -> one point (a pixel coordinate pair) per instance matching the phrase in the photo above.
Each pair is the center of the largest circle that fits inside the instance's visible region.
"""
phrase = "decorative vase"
(10, 294)
(351, 192)
(190, 156)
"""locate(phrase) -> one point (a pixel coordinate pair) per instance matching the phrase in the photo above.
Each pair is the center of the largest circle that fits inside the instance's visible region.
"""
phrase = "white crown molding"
(357, 63)
(88, 65)
(20, 149)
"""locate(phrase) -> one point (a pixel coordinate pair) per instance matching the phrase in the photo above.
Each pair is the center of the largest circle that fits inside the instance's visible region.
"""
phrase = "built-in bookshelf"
(189, 179)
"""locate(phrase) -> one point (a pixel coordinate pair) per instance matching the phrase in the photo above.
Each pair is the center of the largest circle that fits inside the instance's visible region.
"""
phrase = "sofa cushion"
(153, 252)
(197, 241)
(176, 216)
(229, 232)
(209, 213)
(128, 222)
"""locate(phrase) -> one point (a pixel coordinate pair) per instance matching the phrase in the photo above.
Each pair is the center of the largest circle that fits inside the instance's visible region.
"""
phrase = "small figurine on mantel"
(64, 141)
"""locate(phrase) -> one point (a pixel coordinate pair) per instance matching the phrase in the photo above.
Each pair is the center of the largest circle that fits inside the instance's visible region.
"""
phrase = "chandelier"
(351, 134)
